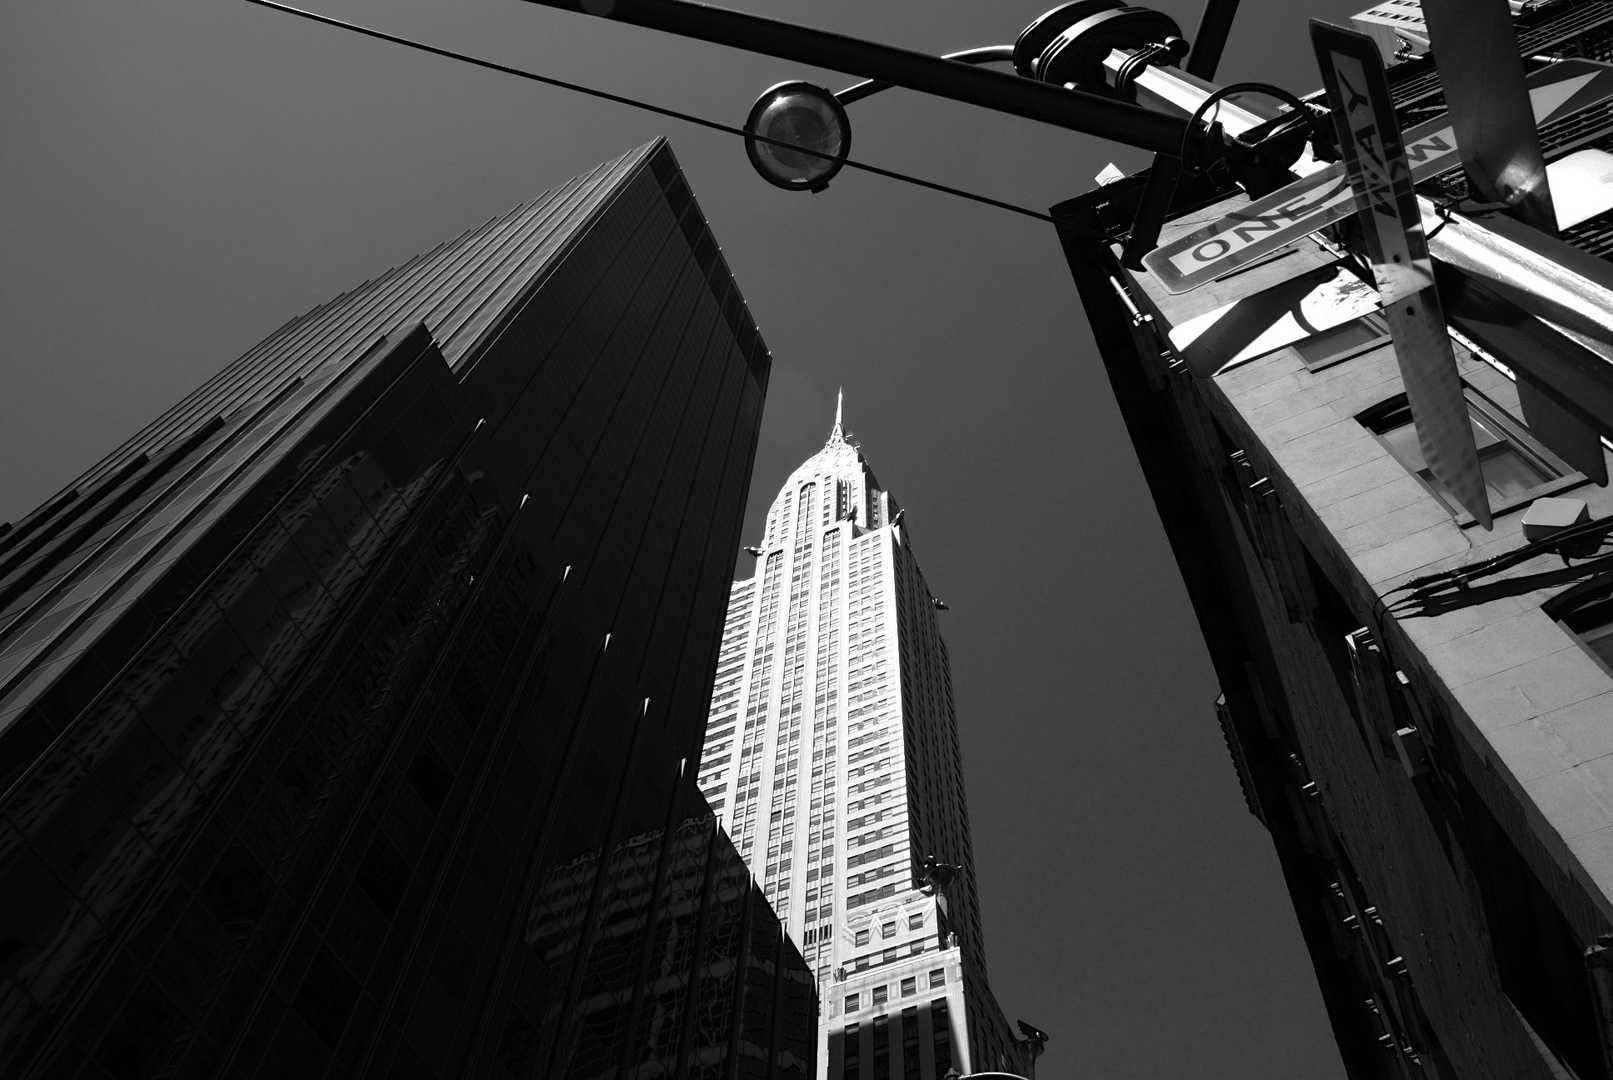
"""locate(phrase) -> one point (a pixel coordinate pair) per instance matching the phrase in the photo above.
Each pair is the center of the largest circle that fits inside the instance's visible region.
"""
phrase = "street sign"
(1488, 102)
(1323, 197)
(1381, 180)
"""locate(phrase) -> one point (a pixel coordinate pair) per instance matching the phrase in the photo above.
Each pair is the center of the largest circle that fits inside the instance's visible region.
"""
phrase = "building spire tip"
(838, 433)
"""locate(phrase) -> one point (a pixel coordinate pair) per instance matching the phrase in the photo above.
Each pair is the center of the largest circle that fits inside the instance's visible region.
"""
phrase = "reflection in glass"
(1514, 465)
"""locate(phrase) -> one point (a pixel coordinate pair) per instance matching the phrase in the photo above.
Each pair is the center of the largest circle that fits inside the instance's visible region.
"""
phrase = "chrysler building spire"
(838, 434)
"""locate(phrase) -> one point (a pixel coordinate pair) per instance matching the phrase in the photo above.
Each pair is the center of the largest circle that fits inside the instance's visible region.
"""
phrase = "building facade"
(831, 757)
(346, 710)
(721, 991)
(1418, 710)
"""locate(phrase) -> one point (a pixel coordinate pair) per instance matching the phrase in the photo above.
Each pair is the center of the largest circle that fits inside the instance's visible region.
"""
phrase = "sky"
(180, 177)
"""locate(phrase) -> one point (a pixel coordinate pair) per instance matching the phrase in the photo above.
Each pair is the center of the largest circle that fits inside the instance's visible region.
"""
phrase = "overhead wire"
(660, 110)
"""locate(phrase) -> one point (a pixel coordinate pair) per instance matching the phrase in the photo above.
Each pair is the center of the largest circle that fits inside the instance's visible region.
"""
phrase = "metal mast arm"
(987, 54)
(1075, 110)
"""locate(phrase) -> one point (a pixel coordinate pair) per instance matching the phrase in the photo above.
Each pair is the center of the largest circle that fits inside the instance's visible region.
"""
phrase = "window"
(888, 930)
(941, 1025)
(910, 986)
(881, 995)
(938, 977)
(851, 1003)
(915, 922)
(882, 1048)
(1599, 639)
(910, 1043)
(1588, 614)
(1343, 342)
(862, 937)
(1516, 467)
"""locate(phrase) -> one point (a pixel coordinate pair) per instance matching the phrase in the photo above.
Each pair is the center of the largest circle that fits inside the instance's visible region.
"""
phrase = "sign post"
(1381, 180)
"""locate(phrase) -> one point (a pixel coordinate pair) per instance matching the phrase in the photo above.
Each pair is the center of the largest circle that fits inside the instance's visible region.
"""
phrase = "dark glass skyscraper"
(348, 712)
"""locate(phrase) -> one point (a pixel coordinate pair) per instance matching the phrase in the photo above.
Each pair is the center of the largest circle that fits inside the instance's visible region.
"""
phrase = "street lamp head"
(798, 114)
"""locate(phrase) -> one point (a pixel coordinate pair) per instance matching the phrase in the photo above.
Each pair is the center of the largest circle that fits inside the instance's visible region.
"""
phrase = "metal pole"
(1160, 188)
(988, 54)
(1214, 26)
(1074, 110)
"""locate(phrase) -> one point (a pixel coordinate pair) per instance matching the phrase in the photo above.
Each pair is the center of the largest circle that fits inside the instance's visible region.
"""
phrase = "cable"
(1448, 589)
(660, 110)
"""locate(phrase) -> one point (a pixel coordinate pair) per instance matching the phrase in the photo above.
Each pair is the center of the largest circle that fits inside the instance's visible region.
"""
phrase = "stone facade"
(832, 759)
(1413, 707)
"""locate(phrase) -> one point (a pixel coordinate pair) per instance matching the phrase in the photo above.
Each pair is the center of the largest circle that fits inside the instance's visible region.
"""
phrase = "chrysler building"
(831, 756)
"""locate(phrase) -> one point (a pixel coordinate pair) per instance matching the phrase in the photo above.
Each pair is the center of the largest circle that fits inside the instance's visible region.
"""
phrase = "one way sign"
(1323, 197)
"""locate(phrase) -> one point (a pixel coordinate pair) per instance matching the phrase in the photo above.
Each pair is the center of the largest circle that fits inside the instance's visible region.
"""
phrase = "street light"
(1096, 51)
(1099, 67)
(1063, 47)
(814, 124)
(1093, 66)
(947, 77)
(805, 136)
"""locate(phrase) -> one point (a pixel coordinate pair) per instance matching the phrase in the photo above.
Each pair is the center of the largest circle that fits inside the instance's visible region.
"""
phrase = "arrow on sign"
(1318, 200)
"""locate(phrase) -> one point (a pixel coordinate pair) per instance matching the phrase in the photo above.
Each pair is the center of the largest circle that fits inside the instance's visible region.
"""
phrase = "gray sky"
(179, 177)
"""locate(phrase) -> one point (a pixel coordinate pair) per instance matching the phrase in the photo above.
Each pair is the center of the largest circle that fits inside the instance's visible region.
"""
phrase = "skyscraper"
(832, 758)
(345, 709)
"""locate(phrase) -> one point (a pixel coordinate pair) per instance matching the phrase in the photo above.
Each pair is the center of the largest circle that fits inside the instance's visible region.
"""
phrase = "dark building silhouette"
(723, 979)
(1419, 710)
(348, 712)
